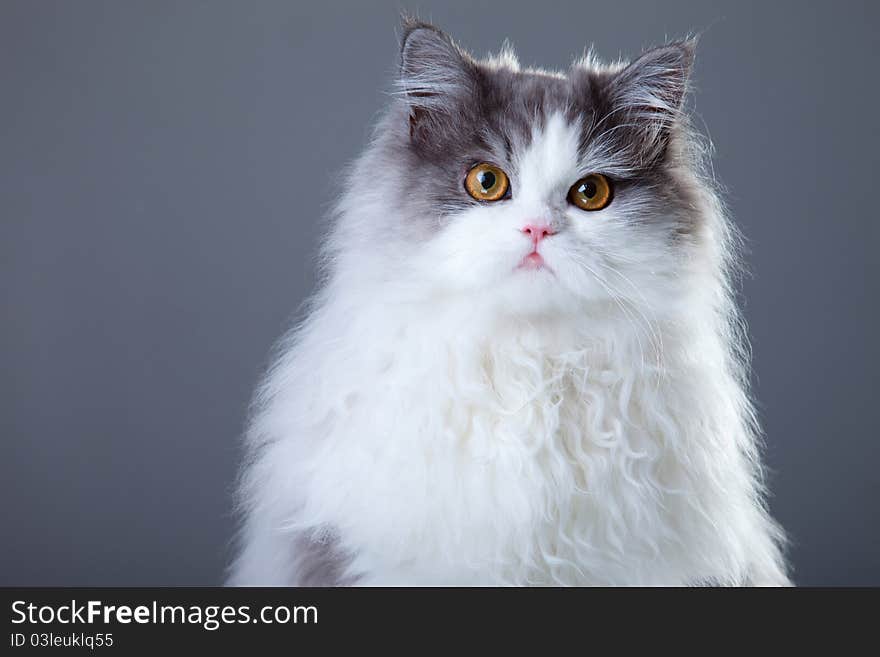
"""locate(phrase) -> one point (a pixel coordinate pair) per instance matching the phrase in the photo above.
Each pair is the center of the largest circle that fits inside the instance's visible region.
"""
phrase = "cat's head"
(541, 191)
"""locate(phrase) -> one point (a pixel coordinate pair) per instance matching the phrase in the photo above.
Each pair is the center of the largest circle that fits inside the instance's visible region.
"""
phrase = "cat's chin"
(531, 291)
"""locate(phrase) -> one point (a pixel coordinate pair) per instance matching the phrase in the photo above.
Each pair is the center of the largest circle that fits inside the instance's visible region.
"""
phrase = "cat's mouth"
(534, 261)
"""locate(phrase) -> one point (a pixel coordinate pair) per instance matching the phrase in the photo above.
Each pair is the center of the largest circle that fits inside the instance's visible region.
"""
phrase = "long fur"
(437, 419)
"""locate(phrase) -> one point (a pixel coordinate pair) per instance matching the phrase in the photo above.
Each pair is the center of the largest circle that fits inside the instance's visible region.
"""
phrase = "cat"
(524, 365)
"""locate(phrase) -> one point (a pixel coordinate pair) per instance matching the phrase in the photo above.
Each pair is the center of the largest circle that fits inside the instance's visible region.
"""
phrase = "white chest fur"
(534, 456)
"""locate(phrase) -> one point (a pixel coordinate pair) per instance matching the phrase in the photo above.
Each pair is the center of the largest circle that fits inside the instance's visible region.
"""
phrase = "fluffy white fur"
(440, 418)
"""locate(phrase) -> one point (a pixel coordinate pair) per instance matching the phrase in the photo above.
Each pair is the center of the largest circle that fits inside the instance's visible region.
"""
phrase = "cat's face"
(533, 189)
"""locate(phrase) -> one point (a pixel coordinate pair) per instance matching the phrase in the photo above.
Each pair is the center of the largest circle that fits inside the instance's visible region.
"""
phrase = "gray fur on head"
(450, 95)
(452, 110)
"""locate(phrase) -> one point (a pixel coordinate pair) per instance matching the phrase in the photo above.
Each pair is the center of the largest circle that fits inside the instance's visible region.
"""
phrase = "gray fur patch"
(320, 562)
(453, 111)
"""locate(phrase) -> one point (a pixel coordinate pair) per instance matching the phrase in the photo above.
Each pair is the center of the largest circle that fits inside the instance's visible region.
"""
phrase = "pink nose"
(537, 231)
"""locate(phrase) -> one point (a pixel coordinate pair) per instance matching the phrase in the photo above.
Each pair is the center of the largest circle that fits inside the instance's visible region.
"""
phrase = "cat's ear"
(436, 76)
(647, 96)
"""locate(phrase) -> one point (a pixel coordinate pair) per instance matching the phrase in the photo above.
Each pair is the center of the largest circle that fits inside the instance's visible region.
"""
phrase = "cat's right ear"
(436, 76)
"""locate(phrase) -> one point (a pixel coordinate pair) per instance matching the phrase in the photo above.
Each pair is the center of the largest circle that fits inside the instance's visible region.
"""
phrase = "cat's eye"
(486, 182)
(591, 193)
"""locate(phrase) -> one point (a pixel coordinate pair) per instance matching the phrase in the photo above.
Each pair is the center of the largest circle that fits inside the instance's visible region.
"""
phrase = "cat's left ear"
(436, 77)
(647, 96)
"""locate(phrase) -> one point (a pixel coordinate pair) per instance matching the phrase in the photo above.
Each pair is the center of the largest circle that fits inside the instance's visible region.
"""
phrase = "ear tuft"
(430, 63)
(657, 80)
(649, 93)
(435, 74)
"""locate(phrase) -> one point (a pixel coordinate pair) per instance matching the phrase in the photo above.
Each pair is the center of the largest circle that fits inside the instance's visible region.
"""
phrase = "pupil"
(588, 189)
(487, 180)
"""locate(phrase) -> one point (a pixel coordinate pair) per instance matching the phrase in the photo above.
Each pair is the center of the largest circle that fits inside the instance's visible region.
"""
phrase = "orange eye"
(591, 193)
(486, 182)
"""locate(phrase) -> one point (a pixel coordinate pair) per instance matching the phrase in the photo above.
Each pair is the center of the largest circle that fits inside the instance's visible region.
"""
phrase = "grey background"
(164, 170)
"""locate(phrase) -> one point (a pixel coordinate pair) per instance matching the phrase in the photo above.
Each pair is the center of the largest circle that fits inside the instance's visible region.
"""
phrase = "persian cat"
(524, 365)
